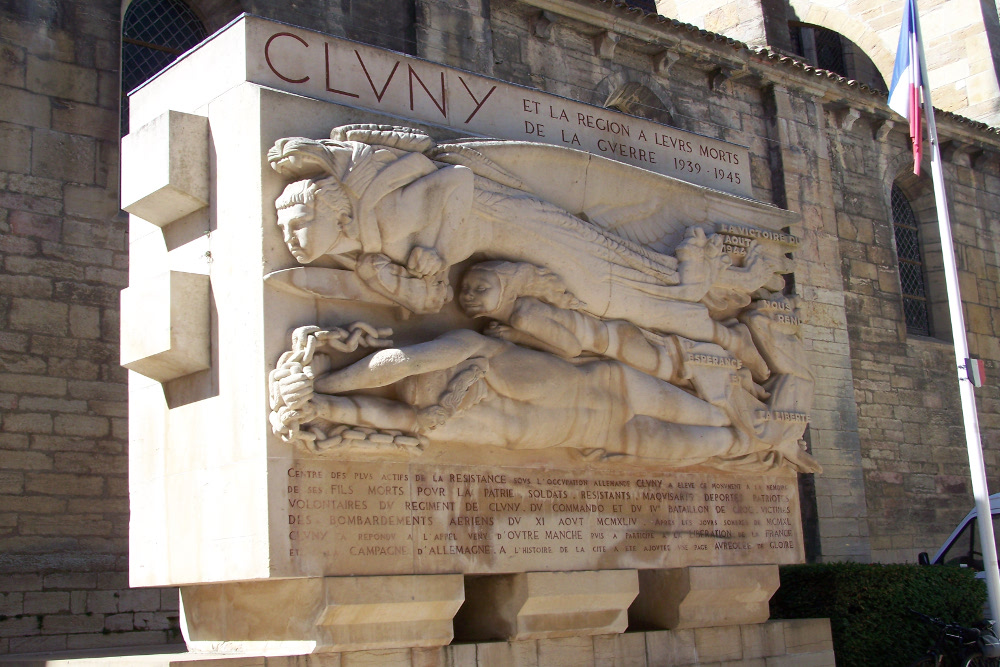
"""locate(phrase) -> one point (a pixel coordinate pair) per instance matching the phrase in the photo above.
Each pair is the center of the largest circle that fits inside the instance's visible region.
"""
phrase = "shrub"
(868, 606)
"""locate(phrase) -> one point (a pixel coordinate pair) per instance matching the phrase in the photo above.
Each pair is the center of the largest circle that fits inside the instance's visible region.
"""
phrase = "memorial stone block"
(460, 327)
(173, 149)
(165, 325)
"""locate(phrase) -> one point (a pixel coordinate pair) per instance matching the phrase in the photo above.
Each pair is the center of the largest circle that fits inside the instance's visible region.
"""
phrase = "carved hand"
(424, 262)
(296, 390)
(498, 330)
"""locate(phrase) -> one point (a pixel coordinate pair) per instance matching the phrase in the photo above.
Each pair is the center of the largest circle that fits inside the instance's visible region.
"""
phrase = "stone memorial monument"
(417, 353)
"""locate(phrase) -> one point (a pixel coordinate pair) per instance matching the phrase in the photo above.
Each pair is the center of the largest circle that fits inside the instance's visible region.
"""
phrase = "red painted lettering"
(479, 105)
(267, 55)
(326, 48)
(379, 94)
(442, 106)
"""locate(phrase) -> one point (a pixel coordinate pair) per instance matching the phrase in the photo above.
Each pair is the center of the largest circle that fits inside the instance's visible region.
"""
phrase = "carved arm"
(388, 366)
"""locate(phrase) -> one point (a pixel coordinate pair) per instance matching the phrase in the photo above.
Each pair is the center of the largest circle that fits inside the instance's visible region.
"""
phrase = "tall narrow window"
(154, 34)
(912, 277)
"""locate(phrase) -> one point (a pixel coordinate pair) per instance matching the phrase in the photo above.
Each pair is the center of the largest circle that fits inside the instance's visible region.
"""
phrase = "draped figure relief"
(600, 323)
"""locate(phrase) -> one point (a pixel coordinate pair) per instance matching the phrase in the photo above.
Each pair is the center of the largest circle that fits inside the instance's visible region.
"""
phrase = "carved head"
(481, 292)
(314, 216)
(491, 287)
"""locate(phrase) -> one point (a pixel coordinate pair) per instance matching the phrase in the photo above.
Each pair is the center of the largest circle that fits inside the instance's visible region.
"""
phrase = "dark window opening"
(154, 34)
(648, 6)
(821, 47)
(832, 51)
(912, 277)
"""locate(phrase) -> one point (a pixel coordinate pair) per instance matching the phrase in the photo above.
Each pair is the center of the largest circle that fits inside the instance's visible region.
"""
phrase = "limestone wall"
(63, 488)
(914, 452)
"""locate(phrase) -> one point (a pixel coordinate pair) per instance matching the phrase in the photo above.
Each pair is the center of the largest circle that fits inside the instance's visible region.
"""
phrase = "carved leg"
(655, 398)
(681, 443)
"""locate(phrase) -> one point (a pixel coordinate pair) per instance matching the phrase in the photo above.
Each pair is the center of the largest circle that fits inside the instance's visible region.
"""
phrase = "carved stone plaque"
(432, 356)
(398, 518)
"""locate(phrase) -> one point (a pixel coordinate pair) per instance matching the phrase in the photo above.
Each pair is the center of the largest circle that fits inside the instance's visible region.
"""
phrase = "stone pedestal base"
(699, 597)
(536, 605)
(284, 617)
(797, 643)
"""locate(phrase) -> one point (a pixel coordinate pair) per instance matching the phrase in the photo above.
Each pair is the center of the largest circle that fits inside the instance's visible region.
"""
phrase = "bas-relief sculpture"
(590, 340)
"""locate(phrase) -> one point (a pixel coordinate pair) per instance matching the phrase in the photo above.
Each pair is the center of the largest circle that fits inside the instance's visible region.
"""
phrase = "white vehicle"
(962, 547)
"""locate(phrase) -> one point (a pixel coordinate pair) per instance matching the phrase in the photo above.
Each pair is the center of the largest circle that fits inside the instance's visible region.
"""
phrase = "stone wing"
(633, 203)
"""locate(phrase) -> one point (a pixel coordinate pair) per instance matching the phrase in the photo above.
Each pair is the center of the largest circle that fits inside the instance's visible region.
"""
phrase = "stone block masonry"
(63, 412)
(788, 643)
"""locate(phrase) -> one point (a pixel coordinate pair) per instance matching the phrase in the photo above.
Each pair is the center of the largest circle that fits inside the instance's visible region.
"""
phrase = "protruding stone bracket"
(956, 152)
(846, 117)
(385, 612)
(721, 75)
(697, 597)
(165, 323)
(881, 127)
(605, 43)
(541, 25)
(321, 614)
(538, 605)
(165, 172)
(663, 61)
(981, 159)
(637, 100)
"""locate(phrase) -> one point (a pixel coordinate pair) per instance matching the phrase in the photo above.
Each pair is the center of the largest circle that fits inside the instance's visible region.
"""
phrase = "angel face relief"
(481, 293)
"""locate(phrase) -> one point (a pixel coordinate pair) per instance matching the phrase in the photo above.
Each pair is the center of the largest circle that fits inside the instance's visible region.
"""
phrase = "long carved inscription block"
(353, 517)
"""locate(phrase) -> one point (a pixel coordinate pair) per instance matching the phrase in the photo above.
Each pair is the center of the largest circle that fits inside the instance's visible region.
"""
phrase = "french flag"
(904, 93)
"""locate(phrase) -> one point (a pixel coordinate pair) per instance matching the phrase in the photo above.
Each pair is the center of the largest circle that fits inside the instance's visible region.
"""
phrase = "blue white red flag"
(905, 91)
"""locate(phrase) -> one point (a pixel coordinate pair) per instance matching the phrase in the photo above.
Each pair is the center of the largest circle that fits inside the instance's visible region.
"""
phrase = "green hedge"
(868, 606)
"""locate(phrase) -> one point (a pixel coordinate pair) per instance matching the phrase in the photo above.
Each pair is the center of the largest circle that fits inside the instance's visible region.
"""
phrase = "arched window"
(832, 51)
(912, 273)
(154, 34)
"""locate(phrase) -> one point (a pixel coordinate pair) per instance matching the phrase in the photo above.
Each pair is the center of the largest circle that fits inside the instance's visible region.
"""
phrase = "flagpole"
(977, 466)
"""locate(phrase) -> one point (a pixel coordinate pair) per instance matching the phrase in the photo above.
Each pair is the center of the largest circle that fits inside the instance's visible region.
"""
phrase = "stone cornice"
(767, 65)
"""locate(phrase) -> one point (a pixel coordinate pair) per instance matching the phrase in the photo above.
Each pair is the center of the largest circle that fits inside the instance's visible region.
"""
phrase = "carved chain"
(292, 421)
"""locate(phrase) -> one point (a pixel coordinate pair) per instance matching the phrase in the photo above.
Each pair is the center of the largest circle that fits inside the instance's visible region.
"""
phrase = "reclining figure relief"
(595, 342)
